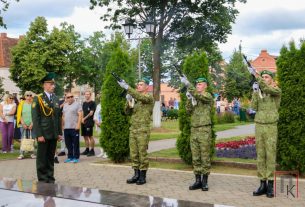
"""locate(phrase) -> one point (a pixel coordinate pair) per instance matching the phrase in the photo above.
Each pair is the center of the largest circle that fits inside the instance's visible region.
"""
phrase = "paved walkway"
(224, 189)
(242, 130)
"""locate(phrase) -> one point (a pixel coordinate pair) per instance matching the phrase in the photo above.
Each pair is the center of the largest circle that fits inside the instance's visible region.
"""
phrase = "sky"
(261, 24)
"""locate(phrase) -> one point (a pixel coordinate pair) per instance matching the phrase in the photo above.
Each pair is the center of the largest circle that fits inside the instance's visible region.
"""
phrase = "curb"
(242, 165)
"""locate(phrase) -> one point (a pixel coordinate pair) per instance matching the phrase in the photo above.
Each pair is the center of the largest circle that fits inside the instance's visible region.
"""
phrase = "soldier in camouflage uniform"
(266, 102)
(139, 105)
(199, 105)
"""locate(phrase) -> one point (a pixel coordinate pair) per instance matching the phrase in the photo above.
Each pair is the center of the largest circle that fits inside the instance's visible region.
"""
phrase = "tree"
(1, 87)
(4, 8)
(237, 78)
(291, 76)
(37, 53)
(115, 128)
(192, 24)
(195, 65)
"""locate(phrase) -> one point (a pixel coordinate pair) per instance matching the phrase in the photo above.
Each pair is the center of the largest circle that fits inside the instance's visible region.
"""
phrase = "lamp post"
(150, 29)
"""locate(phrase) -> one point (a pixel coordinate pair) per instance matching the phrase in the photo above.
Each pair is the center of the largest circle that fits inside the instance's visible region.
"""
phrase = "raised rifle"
(184, 88)
(117, 77)
(253, 80)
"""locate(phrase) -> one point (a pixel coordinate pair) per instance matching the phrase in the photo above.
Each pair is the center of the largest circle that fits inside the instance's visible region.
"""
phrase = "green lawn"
(170, 129)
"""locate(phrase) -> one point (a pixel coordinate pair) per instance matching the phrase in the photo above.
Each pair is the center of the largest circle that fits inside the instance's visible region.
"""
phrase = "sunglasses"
(29, 95)
(11, 98)
(70, 97)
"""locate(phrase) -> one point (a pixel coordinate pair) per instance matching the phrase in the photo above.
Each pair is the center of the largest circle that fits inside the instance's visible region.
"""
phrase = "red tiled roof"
(6, 44)
(265, 61)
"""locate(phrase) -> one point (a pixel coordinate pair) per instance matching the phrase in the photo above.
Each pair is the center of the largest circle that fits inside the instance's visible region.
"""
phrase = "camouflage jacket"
(267, 107)
(142, 110)
(200, 113)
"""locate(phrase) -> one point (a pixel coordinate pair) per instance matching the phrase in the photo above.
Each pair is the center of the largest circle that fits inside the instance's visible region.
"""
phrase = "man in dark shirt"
(89, 107)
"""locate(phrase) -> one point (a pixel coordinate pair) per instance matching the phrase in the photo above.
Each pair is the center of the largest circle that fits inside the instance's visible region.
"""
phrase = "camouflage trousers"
(138, 145)
(266, 138)
(200, 146)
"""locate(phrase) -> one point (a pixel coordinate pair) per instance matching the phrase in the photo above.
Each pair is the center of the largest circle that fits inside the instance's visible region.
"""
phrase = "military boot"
(142, 178)
(262, 189)
(197, 184)
(205, 186)
(135, 177)
(270, 193)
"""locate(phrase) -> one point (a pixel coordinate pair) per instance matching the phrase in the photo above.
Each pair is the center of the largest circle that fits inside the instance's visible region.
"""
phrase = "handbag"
(27, 144)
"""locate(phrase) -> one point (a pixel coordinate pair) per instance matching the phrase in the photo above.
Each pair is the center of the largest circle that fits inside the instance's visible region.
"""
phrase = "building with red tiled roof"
(6, 43)
(265, 61)
(166, 93)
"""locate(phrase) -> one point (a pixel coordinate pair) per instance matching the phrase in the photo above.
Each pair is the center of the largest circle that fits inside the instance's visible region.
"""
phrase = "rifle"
(184, 88)
(117, 77)
(253, 80)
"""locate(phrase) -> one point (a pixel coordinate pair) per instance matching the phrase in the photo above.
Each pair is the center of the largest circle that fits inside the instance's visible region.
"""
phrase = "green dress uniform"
(266, 132)
(141, 114)
(201, 134)
(46, 115)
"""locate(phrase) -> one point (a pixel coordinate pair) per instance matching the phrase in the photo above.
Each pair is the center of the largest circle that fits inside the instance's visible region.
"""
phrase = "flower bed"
(244, 149)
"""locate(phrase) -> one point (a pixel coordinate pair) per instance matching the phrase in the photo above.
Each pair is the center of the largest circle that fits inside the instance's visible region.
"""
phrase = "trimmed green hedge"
(291, 127)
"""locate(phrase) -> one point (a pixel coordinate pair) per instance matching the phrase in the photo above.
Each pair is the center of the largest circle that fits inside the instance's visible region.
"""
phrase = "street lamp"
(128, 27)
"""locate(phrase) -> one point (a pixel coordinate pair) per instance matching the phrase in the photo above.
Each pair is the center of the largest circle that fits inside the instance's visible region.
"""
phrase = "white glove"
(188, 95)
(123, 84)
(128, 97)
(185, 81)
(252, 70)
(255, 87)
(194, 101)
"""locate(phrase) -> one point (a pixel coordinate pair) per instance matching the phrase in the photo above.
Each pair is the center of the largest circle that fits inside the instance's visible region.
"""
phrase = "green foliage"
(4, 7)
(195, 65)
(237, 78)
(291, 76)
(115, 128)
(225, 118)
(1, 87)
(172, 114)
(37, 53)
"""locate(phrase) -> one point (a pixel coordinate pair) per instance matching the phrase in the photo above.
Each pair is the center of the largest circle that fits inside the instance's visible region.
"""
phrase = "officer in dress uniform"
(199, 105)
(266, 102)
(46, 115)
(140, 105)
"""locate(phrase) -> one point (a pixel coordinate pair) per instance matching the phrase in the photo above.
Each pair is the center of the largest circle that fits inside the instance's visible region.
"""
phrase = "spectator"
(176, 104)
(88, 123)
(98, 122)
(62, 152)
(164, 110)
(72, 115)
(218, 103)
(24, 119)
(7, 112)
(171, 103)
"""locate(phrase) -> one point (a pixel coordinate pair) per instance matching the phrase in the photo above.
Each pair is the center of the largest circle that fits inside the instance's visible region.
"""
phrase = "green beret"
(145, 80)
(49, 78)
(201, 79)
(268, 73)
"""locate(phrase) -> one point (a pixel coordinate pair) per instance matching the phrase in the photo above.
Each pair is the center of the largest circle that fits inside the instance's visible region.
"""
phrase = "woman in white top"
(7, 112)
(98, 121)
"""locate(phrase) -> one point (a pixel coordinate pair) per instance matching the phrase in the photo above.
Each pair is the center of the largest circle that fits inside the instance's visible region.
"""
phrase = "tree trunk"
(156, 43)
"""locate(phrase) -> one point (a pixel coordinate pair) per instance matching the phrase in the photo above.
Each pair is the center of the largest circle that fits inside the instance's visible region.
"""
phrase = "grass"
(9, 156)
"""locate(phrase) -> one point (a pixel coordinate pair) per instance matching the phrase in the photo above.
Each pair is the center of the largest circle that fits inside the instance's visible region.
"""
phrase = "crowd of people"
(16, 123)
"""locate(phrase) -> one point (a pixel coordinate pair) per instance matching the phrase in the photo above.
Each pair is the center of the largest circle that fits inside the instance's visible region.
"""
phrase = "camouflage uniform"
(201, 132)
(140, 128)
(266, 119)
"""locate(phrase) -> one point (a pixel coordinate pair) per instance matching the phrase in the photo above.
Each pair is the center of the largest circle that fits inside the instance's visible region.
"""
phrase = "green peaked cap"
(49, 77)
(145, 80)
(201, 79)
(268, 73)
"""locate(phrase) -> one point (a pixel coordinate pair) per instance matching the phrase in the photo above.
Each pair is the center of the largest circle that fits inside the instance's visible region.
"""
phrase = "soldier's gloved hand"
(194, 101)
(252, 70)
(188, 95)
(128, 97)
(255, 86)
(185, 81)
(123, 84)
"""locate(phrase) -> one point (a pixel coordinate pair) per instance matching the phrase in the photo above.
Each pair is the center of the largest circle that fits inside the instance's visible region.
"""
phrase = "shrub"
(172, 114)
(291, 136)
(227, 117)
